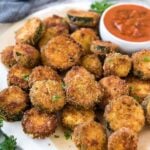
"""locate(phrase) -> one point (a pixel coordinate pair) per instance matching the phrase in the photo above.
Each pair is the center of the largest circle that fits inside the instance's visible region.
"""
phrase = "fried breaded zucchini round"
(49, 34)
(123, 139)
(13, 102)
(55, 26)
(72, 116)
(62, 52)
(139, 89)
(141, 64)
(146, 106)
(84, 37)
(93, 64)
(39, 124)
(117, 64)
(26, 55)
(90, 136)
(19, 76)
(56, 20)
(81, 88)
(125, 111)
(103, 47)
(43, 73)
(83, 18)
(30, 32)
(7, 56)
(113, 87)
(47, 95)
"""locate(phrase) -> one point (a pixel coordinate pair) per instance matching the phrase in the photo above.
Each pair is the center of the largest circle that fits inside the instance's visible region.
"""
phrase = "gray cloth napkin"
(14, 10)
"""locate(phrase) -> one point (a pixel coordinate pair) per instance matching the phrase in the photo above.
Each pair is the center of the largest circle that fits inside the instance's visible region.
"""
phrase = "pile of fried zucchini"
(60, 65)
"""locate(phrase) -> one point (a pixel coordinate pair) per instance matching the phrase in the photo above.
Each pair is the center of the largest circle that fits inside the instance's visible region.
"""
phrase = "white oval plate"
(52, 143)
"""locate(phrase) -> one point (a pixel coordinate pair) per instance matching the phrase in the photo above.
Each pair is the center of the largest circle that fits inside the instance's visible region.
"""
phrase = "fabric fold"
(14, 10)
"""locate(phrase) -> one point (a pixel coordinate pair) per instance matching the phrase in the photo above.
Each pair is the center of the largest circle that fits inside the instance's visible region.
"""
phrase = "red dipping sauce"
(129, 22)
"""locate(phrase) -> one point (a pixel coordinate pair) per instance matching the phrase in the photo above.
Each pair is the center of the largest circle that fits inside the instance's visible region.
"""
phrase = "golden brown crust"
(90, 136)
(19, 76)
(146, 107)
(13, 102)
(39, 124)
(83, 18)
(43, 73)
(49, 34)
(62, 52)
(7, 56)
(84, 37)
(125, 111)
(103, 47)
(47, 95)
(141, 64)
(26, 55)
(24, 35)
(81, 88)
(54, 21)
(92, 64)
(117, 64)
(139, 89)
(123, 139)
(72, 116)
(55, 26)
(113, 87)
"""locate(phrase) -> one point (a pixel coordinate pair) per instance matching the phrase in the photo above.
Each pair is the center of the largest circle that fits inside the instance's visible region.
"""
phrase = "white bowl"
(125, 46)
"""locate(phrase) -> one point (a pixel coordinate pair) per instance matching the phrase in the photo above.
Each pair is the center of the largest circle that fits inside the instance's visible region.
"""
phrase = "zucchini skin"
(30, 32)
(83, 18)
(81, 21)
(102, 48)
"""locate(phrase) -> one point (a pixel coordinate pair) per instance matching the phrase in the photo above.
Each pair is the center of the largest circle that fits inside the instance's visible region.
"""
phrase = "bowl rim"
(114, 36)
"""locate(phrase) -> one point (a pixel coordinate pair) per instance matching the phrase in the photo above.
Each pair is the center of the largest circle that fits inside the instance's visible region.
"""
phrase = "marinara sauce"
(129, 22)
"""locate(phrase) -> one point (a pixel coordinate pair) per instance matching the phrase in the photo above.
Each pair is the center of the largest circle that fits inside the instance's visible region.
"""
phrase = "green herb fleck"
(56, 136)
(136, 97)
(18, 54)
(64, 86)
(67, 134)
(131, 88)
(26, 77)
(100, 7)
(109, 60)
(138, 73)
(146, 59)
(55, 98)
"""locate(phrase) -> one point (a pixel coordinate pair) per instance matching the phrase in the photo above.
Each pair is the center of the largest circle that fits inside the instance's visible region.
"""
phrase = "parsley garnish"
(67, 134)
(55, 98)
(146, 59)
(9, 142)
(26, 77)
(100, 7)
